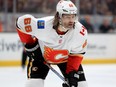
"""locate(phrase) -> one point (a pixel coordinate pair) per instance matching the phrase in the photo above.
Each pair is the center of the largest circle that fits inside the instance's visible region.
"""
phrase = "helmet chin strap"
(62, 28)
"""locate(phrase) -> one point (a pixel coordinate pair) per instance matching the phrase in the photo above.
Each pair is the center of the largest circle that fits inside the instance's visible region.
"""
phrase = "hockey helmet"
(66, 7)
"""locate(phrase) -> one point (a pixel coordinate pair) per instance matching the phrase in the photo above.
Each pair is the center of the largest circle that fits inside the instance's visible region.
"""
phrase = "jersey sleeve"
(27, 24)
(79, 44)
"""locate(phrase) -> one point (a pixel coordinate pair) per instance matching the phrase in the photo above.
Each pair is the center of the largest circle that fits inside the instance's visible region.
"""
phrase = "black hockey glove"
(34, 51)
(72, 79)
(65, 85)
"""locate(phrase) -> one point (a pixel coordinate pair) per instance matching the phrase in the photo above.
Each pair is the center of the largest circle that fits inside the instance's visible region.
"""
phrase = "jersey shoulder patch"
(41, 24)
(44, 21)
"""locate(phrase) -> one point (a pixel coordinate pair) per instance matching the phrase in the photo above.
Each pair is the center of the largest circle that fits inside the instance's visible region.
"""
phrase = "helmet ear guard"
(66, 7)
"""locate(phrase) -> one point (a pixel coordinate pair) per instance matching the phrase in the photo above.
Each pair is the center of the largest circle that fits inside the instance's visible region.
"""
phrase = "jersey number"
(83, 30)
(27, 22)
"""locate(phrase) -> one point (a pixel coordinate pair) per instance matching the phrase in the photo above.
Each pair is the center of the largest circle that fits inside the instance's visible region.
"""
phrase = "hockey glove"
(72, 79)
(65, 85)
(34, 51)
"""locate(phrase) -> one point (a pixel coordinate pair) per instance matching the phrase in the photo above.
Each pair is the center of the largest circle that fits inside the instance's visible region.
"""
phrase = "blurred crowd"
(100, 7)
(104, 25)
(98, 16)
(31, 6)
(36, 6)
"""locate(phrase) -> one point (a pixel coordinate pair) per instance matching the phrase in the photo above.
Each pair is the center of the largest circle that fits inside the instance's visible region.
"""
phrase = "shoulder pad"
(26, 23)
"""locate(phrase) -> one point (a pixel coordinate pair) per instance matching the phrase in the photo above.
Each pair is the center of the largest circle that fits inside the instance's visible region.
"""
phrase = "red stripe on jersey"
(26, 38)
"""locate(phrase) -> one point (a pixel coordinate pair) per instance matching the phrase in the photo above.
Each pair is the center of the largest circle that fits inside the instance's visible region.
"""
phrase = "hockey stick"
(61, 77)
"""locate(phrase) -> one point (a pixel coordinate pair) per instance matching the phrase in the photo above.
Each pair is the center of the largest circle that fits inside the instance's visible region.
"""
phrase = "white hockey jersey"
(74, 41)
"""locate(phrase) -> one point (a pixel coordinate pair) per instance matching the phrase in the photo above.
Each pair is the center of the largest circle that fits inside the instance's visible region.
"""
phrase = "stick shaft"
(61, 77)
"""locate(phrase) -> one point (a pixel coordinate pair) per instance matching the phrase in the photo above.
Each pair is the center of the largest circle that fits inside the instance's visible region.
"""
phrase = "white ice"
(96, 75)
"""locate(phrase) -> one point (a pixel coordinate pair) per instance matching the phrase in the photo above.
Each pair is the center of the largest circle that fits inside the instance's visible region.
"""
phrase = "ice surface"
(97, 76)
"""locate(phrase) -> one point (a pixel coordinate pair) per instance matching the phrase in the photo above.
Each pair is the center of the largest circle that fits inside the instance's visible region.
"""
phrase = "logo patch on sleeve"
(41, 24)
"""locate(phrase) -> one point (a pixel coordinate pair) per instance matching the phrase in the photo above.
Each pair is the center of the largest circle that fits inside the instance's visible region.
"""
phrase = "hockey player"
(59, 40)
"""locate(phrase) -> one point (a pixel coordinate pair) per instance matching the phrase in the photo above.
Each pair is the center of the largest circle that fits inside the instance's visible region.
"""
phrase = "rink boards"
(101, 49)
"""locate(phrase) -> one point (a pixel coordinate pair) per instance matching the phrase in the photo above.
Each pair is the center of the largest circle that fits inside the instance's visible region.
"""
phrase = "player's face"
(68, 20)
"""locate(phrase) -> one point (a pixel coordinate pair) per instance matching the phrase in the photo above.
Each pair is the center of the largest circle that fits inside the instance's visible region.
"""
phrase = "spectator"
(49, 6)
(20, 6)
(10, 5)
(1, 26)
(1, 5)
(86, 8)
(87, 23)
(29, 5)
(105, 27)
(101, 7)
(111, 5)
(114, 23)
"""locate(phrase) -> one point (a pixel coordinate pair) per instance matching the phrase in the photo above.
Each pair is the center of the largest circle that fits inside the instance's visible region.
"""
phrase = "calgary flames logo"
(55, 56)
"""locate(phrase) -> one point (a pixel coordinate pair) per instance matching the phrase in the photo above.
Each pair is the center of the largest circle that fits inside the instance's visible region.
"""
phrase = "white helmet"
(66, 7)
